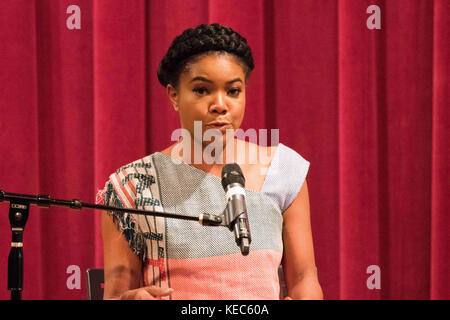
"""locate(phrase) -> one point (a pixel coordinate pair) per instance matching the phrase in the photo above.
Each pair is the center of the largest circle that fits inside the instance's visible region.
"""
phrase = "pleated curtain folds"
(369, 108)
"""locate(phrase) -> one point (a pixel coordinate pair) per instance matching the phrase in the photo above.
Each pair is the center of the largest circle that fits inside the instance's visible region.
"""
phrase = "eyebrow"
(207, 80)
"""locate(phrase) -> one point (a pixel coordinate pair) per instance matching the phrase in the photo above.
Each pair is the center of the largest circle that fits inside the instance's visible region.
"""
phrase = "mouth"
(221, 126)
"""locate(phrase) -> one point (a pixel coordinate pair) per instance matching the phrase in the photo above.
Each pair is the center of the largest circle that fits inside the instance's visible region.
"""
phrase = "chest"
(254, 175)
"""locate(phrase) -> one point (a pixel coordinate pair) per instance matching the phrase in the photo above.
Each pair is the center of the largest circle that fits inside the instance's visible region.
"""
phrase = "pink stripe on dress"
(227, 277)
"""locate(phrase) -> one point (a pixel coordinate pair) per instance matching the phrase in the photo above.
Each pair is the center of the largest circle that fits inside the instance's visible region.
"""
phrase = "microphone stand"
(19, 206)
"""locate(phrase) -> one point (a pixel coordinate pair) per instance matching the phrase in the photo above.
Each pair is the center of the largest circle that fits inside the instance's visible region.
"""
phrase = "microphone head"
(232, 173)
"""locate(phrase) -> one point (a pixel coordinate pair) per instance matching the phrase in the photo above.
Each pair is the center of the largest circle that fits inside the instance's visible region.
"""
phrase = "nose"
(218, 105)
(218, 108)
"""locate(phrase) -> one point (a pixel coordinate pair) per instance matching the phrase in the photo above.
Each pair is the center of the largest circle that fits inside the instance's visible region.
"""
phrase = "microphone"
(233, 183)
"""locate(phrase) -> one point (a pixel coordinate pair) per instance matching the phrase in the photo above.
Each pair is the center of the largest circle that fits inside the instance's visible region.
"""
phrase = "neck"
(206, 156)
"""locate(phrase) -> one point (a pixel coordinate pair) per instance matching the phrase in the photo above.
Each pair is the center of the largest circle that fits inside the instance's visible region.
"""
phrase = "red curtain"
(369, 108)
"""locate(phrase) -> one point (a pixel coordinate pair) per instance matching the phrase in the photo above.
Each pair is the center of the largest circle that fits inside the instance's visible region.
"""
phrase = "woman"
(205, 72)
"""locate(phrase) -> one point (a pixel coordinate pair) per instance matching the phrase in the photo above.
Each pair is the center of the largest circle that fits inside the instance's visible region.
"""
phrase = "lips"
(219, 125)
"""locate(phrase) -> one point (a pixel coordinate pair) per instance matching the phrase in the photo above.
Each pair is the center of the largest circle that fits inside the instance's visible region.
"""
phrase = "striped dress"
(201, 262)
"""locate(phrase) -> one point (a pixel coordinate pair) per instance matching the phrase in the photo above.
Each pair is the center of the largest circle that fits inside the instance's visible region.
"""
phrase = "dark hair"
(202, 39)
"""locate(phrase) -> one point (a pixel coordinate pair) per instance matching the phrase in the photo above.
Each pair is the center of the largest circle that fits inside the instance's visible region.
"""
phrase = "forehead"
(215, 66)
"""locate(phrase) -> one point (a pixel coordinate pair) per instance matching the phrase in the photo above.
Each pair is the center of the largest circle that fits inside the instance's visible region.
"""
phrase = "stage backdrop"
(361, 93)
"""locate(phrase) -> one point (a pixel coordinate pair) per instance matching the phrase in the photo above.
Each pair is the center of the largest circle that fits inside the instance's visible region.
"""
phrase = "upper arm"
(298, 257)
(122, 267)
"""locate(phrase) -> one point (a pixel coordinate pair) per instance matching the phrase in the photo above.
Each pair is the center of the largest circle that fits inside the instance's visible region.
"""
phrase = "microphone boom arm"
(46, 201)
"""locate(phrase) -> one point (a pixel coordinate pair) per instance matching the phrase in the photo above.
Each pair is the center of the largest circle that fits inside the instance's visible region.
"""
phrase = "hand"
(146, 293)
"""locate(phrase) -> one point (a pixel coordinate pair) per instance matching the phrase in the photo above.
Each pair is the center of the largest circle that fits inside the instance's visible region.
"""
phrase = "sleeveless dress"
(204, 262)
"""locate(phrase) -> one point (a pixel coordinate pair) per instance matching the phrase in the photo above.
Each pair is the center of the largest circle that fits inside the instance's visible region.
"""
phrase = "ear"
(173, 96)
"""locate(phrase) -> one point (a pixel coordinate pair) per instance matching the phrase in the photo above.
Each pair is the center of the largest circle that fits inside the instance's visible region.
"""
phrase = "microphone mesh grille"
(232, 173)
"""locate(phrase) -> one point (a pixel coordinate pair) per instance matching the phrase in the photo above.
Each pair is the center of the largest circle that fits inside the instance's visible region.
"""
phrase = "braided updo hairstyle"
(203, 39)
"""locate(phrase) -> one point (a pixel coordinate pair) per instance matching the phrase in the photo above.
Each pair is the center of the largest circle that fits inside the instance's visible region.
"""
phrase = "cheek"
(238, 115)
(192, 113)
(188, 113)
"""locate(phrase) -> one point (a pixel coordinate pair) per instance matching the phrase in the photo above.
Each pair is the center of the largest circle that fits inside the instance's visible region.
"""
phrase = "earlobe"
(173, 96)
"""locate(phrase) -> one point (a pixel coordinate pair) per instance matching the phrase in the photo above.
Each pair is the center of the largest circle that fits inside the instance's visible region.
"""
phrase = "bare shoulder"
(168, 151)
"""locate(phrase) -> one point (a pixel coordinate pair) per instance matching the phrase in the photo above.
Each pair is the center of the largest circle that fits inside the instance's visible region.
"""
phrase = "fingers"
(141, 294)
(158, 292)
(147, 293)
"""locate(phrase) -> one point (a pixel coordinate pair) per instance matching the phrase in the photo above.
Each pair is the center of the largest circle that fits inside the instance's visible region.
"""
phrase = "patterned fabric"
(201, 262)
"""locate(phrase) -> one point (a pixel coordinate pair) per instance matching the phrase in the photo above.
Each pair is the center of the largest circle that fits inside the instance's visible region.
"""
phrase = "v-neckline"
(219, 179)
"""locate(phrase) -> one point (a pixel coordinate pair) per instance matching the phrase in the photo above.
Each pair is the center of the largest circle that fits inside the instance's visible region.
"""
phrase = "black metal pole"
(18, 216)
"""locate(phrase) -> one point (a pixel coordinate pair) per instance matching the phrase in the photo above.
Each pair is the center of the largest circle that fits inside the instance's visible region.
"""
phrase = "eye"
(235, 92)
(200, 91)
